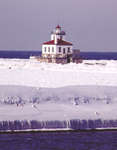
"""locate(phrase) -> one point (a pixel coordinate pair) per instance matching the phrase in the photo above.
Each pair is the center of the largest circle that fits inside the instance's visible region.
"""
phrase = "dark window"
(45, 49)
(52, 49)
(48, 49)
(61, 37)
(63, 50)
(68, 49)
(59, 49)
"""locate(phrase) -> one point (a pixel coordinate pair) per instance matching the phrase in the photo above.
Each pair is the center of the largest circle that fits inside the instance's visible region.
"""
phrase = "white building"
(57, 46)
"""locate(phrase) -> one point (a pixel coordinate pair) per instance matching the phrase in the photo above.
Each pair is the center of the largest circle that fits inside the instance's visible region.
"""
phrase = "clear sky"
(90, 24)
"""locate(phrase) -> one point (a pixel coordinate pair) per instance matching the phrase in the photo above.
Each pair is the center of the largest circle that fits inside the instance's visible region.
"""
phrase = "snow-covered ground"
(30, 90)
(35, 74)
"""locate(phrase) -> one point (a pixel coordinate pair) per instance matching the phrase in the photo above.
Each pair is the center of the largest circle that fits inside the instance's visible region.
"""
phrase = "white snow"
(30, 90)
(35, 74)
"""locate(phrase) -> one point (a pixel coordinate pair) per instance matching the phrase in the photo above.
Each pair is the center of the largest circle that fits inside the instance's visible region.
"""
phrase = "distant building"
(57, 47)
(58, 50)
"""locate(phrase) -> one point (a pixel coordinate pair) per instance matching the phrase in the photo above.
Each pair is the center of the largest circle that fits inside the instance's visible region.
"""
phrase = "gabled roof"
(60, 42)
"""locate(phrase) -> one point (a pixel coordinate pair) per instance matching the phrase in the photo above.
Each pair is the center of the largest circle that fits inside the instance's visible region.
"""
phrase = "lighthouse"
(57, 47)
(58, 50)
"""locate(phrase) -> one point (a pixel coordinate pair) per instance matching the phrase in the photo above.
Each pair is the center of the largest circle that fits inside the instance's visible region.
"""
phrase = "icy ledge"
(72, 107)
(34, 126)
(43, 104)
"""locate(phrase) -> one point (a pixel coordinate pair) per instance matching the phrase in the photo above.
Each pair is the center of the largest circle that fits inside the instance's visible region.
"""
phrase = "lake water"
(85, 55)
(93, 140)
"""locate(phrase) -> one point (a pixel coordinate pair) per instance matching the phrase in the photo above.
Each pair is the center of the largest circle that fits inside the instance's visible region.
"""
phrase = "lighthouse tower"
(57, 34)
(57, 47)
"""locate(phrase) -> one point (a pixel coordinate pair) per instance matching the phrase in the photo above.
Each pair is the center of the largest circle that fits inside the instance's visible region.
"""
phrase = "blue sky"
(90, 24)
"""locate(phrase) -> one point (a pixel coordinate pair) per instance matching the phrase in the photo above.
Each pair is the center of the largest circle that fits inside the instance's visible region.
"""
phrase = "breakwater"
(53, 125)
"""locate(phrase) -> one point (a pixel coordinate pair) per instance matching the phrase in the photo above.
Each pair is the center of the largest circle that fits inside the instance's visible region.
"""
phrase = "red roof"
(60, 42)
(58, 27)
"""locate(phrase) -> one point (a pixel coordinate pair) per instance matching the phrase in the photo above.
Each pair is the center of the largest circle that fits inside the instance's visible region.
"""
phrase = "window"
(48, 49)
(52, 49)
(45, 49)
(59, 49)
(68, 49)
(63, 50)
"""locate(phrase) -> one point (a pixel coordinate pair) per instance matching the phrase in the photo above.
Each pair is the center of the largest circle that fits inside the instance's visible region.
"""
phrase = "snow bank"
(35, 74)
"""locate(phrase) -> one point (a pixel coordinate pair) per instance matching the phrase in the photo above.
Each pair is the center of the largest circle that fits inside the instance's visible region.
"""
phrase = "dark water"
(84, 55)
(19, 54)
(99, 55)
(101, 140)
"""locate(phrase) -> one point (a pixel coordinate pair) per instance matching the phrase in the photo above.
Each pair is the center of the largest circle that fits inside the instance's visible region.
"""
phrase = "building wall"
(47, 48)
(66, 49)
(54, 49)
